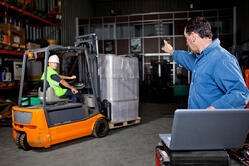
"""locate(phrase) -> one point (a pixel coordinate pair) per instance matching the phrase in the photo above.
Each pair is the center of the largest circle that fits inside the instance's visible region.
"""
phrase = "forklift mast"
(90, 43)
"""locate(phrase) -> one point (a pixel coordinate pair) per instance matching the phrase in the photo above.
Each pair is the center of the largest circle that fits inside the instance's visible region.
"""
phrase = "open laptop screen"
(201, 129)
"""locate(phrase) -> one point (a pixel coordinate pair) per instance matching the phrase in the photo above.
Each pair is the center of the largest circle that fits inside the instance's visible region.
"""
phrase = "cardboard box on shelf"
(16, 35)
(3, 84)
(31, 45)
(4, 38)
(21, 1)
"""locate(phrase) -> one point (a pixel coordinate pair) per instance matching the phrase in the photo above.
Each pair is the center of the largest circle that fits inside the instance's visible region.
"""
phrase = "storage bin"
(30, 101)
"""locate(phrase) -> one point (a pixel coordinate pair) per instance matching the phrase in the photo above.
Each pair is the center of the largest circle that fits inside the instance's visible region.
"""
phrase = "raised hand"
(167, 48)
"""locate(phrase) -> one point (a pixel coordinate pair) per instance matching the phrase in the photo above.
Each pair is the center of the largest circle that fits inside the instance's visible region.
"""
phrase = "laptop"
(202, 129)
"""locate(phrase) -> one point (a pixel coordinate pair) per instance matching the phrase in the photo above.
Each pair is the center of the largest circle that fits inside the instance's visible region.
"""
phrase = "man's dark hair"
(200, 26)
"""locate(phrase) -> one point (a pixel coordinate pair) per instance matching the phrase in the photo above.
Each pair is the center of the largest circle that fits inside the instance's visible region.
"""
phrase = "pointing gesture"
(167, 48)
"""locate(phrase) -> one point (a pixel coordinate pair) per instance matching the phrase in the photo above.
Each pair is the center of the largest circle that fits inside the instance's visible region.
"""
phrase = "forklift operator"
(54, 80)
(217, 82)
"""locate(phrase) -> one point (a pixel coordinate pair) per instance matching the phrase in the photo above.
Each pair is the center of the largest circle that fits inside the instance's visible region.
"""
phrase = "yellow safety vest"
(54, 84)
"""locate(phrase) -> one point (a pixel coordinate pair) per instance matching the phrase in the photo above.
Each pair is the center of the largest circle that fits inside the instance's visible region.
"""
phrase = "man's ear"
(193, 36)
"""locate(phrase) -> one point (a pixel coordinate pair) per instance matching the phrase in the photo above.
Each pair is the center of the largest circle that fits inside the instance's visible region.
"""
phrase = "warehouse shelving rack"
(24, 12)
(36, 25)
(29, 15)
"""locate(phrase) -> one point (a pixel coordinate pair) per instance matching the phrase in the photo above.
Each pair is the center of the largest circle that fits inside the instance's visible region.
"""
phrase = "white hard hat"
(54, 58)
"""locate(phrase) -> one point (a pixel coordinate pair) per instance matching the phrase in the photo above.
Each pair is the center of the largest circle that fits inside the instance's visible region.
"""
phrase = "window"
(136, 29)
(160, 28)
(166, 28)
(122, 31)
(150, 28)
(109, 31)
(97, 28)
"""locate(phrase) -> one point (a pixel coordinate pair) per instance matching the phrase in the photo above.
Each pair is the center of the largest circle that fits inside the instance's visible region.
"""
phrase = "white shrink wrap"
(119, 89)
(124, 111)
(119, 84)
(113, 66)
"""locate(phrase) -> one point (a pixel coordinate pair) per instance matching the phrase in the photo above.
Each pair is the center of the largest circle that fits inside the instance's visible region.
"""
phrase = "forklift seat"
(51, 98)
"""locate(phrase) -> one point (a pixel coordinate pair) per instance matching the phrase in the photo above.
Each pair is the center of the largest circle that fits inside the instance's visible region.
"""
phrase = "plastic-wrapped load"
(120, 67)
(119, 89)
(119, 84)
(124, 110)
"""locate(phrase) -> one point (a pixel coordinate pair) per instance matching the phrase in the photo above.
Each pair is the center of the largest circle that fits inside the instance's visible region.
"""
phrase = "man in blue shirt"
(217, 82)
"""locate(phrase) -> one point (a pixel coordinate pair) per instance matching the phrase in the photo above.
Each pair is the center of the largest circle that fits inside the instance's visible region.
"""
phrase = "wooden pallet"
(114, 125)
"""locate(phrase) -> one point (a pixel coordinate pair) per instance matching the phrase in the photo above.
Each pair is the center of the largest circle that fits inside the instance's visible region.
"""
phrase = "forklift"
(55, 120)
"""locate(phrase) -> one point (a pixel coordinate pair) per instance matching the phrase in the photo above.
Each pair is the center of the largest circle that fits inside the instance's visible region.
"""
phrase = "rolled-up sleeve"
(229, 79)
(56, 77)
(185, 59)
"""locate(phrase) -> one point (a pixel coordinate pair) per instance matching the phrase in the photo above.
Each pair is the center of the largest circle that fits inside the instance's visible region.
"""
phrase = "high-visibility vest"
(54, 84)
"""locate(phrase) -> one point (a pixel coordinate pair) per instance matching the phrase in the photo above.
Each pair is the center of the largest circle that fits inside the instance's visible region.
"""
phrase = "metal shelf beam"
(24, 12)
(10, 52)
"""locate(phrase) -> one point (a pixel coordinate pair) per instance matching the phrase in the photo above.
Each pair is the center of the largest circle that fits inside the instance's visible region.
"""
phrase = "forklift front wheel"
(101, 128)
(17, 140)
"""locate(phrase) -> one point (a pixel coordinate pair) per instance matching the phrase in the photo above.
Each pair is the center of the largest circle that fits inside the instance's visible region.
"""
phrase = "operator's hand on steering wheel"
(74, 91)
(73, 77)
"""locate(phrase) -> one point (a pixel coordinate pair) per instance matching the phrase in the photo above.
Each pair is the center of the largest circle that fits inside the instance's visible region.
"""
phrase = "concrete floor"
(133, 145)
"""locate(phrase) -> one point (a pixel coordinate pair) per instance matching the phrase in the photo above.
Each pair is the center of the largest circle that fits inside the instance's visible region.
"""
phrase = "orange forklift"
(56, 120)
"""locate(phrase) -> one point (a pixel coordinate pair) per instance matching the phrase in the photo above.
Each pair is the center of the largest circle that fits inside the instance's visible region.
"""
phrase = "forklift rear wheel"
(23, 142)
(17, 140)
(101, 128)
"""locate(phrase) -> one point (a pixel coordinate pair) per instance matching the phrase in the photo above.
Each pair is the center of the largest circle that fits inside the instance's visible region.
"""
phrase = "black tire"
(23, 142)
(101, 128)
(17, 140)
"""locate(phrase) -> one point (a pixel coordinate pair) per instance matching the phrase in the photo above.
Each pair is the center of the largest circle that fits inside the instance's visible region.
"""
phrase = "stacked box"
(121, 67)
(31, 45)
(119, 89)
(124, 110)
(119, 84)
(16, 35)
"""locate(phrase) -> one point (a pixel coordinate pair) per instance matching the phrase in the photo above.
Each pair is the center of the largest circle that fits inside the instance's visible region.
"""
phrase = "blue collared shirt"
(216, 78)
